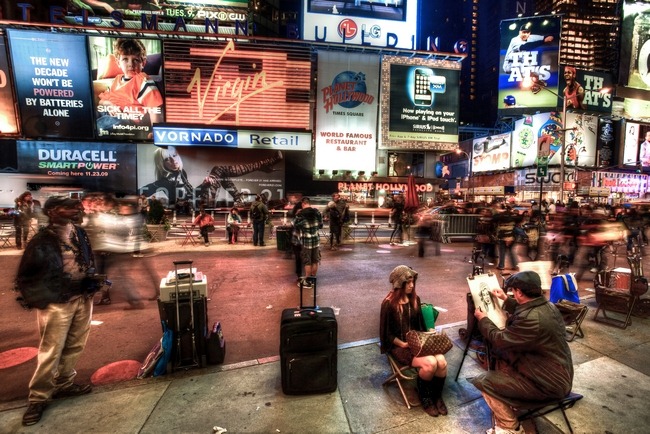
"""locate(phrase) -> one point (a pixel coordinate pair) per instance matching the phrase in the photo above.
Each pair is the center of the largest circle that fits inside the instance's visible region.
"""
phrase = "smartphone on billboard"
(422, 87)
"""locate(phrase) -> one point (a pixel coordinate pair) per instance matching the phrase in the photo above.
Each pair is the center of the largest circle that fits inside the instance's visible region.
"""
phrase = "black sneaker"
(74, 390)
(304, 283)
(33, 413)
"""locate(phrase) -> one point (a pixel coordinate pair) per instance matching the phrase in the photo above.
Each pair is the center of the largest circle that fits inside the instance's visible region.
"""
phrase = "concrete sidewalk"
(611, 371)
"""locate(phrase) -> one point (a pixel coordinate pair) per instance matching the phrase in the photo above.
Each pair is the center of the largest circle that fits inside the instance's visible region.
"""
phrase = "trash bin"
(283, 236)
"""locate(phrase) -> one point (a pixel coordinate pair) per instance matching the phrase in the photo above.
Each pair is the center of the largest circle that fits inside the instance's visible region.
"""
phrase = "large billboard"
(491, 153)
(528, 62)
(52, 84)
(206, 14)
(346, 111)
(224, 84)
(635, 45)
(214, 177)
(535, 135)
(8, 124)
(390, 24)
(419, 104)
(580, 139)
(127, 87)
(91, 165)
(584, 90)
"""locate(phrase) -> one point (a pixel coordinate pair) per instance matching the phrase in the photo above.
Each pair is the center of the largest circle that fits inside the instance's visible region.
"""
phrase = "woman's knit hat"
(400, 275)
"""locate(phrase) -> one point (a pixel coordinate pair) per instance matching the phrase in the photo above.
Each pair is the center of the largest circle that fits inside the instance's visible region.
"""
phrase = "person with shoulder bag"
(259, 215)
(56, 276)
(401, 312)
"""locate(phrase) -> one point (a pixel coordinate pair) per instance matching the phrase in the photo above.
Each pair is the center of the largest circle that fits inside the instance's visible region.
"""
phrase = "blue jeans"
(258, 232)
(503, 249)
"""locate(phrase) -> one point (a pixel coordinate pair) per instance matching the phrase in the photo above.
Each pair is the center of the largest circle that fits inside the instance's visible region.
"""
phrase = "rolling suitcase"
(188, 320)
(308, 348)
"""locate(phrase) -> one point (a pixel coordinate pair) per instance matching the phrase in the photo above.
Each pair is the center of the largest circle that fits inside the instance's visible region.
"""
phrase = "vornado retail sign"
(528, 178)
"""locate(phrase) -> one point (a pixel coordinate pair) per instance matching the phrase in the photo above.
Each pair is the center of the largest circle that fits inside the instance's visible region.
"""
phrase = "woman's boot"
(437, 384)
(424, 393)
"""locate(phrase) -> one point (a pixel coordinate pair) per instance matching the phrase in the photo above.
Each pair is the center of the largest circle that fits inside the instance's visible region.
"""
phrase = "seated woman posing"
(206, 225)
(232, 228)
(400, 312)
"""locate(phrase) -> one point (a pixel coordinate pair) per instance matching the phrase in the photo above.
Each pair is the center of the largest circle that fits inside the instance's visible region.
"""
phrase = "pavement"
(611, 372)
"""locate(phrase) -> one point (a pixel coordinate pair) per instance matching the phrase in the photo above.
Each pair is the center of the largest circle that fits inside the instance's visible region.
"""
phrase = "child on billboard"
(133, 102)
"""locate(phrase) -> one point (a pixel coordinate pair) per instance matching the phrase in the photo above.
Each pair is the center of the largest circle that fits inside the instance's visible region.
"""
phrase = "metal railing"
(448, 226)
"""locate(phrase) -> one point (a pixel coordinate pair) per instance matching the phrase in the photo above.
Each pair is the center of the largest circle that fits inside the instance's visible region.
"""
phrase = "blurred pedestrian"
(23, 214)
(397, 216)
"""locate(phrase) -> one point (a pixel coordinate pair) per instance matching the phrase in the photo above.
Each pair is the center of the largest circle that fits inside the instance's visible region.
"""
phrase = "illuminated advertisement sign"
(528, 76)
(580, 146)
(606, 143)
(491, 153)
(95, 166)
(346, 111)
(149, 14)
(631, 143)
(127, 82)
(535, 135)
(390, 23)
(182, 136)
(8, 124)
(419, 103)
(222, 84)
(214, 177)
(596, 89)
(52, 84)
(635, 45)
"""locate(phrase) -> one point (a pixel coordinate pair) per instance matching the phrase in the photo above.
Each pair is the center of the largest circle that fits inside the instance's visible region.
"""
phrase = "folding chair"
(573, 315)
(614, 300)
(401, 373)
(7, 233)
(531, 410)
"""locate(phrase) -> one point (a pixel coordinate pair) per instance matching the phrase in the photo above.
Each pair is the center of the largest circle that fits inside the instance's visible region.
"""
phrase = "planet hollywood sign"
(388, 186)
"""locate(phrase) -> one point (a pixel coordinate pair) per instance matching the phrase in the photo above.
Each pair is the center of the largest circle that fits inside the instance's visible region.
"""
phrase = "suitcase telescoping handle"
(312, 282)
(177, 263)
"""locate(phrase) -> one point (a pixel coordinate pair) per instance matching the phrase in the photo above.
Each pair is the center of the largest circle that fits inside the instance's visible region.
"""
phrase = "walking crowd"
(571, 235)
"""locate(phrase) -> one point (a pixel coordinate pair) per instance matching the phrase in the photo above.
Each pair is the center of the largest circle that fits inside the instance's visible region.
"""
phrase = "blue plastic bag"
(166, 343)
(564, 287)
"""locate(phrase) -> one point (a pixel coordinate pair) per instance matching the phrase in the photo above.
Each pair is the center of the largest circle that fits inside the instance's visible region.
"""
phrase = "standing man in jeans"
(56, 276)
(309, 220)
(259, 215)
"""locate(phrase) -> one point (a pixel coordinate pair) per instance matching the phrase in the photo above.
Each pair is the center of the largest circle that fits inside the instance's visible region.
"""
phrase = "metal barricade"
(454, 225)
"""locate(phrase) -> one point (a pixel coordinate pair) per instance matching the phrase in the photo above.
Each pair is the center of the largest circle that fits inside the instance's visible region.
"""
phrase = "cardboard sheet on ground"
(480, 287)
(543, 268)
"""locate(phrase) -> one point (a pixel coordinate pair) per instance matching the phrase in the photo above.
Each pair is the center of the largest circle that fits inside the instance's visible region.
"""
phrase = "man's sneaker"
(74, 390)
(304, 283)
(499, 430)
(33, 413)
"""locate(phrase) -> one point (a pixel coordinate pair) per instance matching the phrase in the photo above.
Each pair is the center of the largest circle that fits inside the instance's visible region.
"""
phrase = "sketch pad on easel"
(480, 287)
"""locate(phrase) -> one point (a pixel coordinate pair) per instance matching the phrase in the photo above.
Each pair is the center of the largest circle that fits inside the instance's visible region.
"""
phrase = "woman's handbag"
(209, 228)
(428, 343)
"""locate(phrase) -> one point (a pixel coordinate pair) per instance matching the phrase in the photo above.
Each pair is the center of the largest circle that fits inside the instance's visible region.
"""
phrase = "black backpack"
(256, 213)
